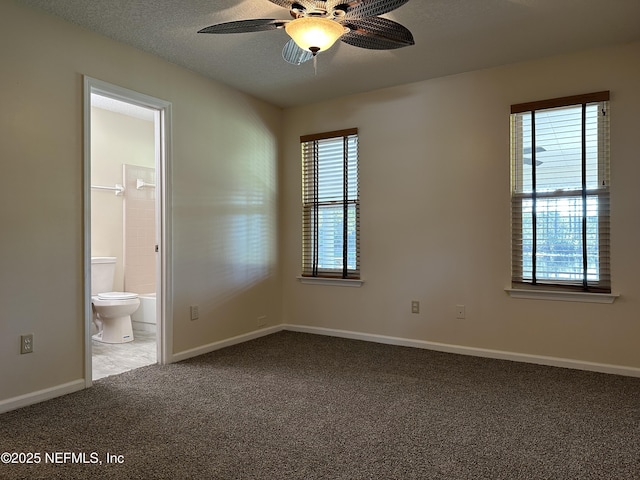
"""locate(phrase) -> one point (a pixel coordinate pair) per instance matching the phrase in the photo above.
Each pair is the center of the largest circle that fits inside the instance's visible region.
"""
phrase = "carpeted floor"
(299, 406)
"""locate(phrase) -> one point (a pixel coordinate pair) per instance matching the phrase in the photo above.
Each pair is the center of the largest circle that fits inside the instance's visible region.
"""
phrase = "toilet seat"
(117, 296)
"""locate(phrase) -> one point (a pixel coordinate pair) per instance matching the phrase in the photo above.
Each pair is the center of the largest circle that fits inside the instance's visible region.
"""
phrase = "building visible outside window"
(330, 205)
(560, 193)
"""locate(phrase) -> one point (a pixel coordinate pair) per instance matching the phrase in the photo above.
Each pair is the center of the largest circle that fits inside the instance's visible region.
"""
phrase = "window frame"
(311, 205)
(602, 193)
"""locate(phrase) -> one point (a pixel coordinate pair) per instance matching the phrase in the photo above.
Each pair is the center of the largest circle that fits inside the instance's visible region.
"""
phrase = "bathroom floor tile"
(111, 359)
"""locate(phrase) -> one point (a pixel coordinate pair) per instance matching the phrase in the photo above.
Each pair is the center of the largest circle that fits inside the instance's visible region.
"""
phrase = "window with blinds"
(330, 205)
(560, 193)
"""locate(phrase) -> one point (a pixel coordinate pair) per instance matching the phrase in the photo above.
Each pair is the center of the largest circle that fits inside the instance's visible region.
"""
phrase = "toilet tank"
(103, 270)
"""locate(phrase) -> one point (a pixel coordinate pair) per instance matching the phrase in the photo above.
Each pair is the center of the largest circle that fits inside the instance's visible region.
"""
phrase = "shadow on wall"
(225, 216)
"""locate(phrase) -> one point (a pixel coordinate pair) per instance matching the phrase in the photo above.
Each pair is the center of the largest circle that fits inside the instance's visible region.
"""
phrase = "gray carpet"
(299, 406)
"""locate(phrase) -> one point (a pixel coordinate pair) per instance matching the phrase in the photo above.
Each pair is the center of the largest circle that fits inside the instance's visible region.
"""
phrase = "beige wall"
(116, 139)
(224, 187)
(434, 184)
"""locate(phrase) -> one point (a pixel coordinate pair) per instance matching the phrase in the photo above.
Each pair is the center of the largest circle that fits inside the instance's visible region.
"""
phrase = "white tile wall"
(139, 230)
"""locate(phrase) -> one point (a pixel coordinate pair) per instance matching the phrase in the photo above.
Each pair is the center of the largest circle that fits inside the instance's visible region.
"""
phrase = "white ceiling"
(451, 36)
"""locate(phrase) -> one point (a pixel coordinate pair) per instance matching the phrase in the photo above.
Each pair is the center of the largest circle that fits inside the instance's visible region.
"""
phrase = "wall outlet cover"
(415, 306)
(26, 343)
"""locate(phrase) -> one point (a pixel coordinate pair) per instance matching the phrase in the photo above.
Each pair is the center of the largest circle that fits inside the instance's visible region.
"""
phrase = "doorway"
(126, 165)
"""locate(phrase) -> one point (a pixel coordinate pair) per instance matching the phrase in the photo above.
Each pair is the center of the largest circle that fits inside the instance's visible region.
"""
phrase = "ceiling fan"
(317, 25)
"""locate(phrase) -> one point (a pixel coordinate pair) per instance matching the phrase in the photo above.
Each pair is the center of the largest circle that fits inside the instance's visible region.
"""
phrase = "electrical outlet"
(460, 312)
(195, 312)
(415, 306)
(261, 321)
(26, 343)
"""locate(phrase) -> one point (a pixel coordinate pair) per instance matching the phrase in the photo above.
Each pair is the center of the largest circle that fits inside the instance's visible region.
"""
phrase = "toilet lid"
(117, 296)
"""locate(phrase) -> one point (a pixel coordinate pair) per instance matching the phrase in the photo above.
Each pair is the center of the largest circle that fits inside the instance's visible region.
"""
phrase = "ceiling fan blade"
(243, 26)
(295, 55)
(370, 8)
(376, 33)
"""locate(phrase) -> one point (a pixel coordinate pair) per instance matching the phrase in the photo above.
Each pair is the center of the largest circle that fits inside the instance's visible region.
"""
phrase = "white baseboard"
(41, 395)
(59, 390)
(194, 352)
(64, 389)
(476, 352)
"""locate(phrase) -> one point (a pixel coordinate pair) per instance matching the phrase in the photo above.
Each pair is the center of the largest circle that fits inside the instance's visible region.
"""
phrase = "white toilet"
(111, 310)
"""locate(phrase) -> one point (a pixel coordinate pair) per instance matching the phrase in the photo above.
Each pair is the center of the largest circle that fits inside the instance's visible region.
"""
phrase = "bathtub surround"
(139, 229)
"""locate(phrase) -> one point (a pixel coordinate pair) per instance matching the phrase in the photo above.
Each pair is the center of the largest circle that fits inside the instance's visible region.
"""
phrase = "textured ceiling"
(451, 36)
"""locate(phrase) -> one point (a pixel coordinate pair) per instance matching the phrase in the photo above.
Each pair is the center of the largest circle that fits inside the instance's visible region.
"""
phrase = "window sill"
(583, 297)
(334, 282)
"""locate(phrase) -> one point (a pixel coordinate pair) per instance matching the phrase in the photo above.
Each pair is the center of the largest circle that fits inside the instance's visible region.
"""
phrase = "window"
(560, 193)
(330, 205)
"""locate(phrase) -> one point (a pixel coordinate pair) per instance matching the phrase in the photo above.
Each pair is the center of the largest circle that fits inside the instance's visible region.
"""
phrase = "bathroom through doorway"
(126, 225)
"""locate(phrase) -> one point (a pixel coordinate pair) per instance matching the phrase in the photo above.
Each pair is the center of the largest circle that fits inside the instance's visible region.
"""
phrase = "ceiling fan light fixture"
(314, 34)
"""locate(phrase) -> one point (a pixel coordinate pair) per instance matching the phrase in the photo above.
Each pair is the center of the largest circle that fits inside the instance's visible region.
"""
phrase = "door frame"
(162, 126)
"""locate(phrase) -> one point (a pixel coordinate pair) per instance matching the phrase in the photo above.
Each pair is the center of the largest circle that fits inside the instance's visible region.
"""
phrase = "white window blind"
(330, 205)
(560, 193)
